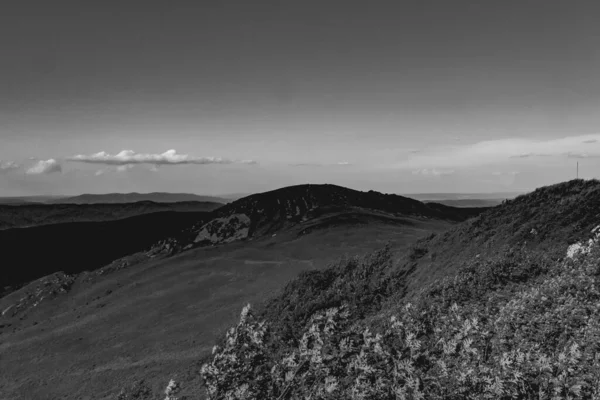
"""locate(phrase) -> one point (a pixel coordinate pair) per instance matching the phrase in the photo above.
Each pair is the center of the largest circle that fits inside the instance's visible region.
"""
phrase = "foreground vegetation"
(524, 324)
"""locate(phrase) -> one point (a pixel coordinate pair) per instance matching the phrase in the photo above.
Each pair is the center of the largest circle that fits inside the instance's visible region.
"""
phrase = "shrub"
(521, 325)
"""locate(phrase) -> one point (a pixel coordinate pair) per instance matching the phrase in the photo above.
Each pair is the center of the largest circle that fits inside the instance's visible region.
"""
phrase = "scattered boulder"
(31, 295)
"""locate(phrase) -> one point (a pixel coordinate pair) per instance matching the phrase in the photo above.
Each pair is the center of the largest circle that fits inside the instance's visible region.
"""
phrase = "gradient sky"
(398, 96)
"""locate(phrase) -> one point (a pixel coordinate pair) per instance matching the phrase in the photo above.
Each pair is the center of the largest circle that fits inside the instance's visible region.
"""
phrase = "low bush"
(522, 325)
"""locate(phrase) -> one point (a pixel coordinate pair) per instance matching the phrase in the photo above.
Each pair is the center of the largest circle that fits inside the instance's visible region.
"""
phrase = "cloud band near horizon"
(169, 157)
(502, 151)
(44, 167)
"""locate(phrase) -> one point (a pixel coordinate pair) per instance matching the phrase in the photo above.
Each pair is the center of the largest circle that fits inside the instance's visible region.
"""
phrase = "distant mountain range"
(452, 199)
(465, 199)
(116, 198)
(468, 202)
(29, 199)
(463, 196)
(157, 197)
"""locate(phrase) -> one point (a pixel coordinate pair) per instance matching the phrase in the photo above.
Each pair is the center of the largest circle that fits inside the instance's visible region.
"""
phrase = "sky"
(218, 97)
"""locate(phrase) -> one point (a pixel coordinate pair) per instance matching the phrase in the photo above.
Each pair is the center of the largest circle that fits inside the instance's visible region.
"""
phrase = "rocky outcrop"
(224, 230)
(33, 294)
(166, 247)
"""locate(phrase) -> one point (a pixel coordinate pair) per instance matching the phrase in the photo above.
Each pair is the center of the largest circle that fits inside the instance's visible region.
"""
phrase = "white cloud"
(45, 167)
(99, 172)
(124, 168)
(502, 151)
(575, 154)
(7, 166)
(169, 157)
(509, 173)
(433, 172)
(337, 164)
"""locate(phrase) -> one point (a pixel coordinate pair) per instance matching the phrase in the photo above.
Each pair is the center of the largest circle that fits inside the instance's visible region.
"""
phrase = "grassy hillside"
(492, 308)
(109, 331)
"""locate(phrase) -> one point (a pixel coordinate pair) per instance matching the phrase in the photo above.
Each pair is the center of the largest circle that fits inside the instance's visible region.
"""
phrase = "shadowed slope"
(82, 246)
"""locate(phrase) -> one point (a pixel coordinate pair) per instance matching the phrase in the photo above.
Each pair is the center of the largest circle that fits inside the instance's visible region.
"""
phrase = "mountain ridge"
(268, 213)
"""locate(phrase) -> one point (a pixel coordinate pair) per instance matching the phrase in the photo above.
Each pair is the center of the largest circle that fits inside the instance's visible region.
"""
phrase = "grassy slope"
(548, 219)
(538, 227)
(157, 319)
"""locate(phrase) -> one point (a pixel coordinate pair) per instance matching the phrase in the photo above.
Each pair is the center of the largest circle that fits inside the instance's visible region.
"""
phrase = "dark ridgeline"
(29, 215)
(156, 197)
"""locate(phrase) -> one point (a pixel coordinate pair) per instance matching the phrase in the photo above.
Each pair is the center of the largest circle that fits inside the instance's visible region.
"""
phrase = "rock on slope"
(30, 296)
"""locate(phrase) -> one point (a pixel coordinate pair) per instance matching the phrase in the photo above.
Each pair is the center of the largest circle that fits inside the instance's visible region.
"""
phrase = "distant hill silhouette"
(29, 199)
(157, 197)
(463, 196)
(35, 214)
(468, 202)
